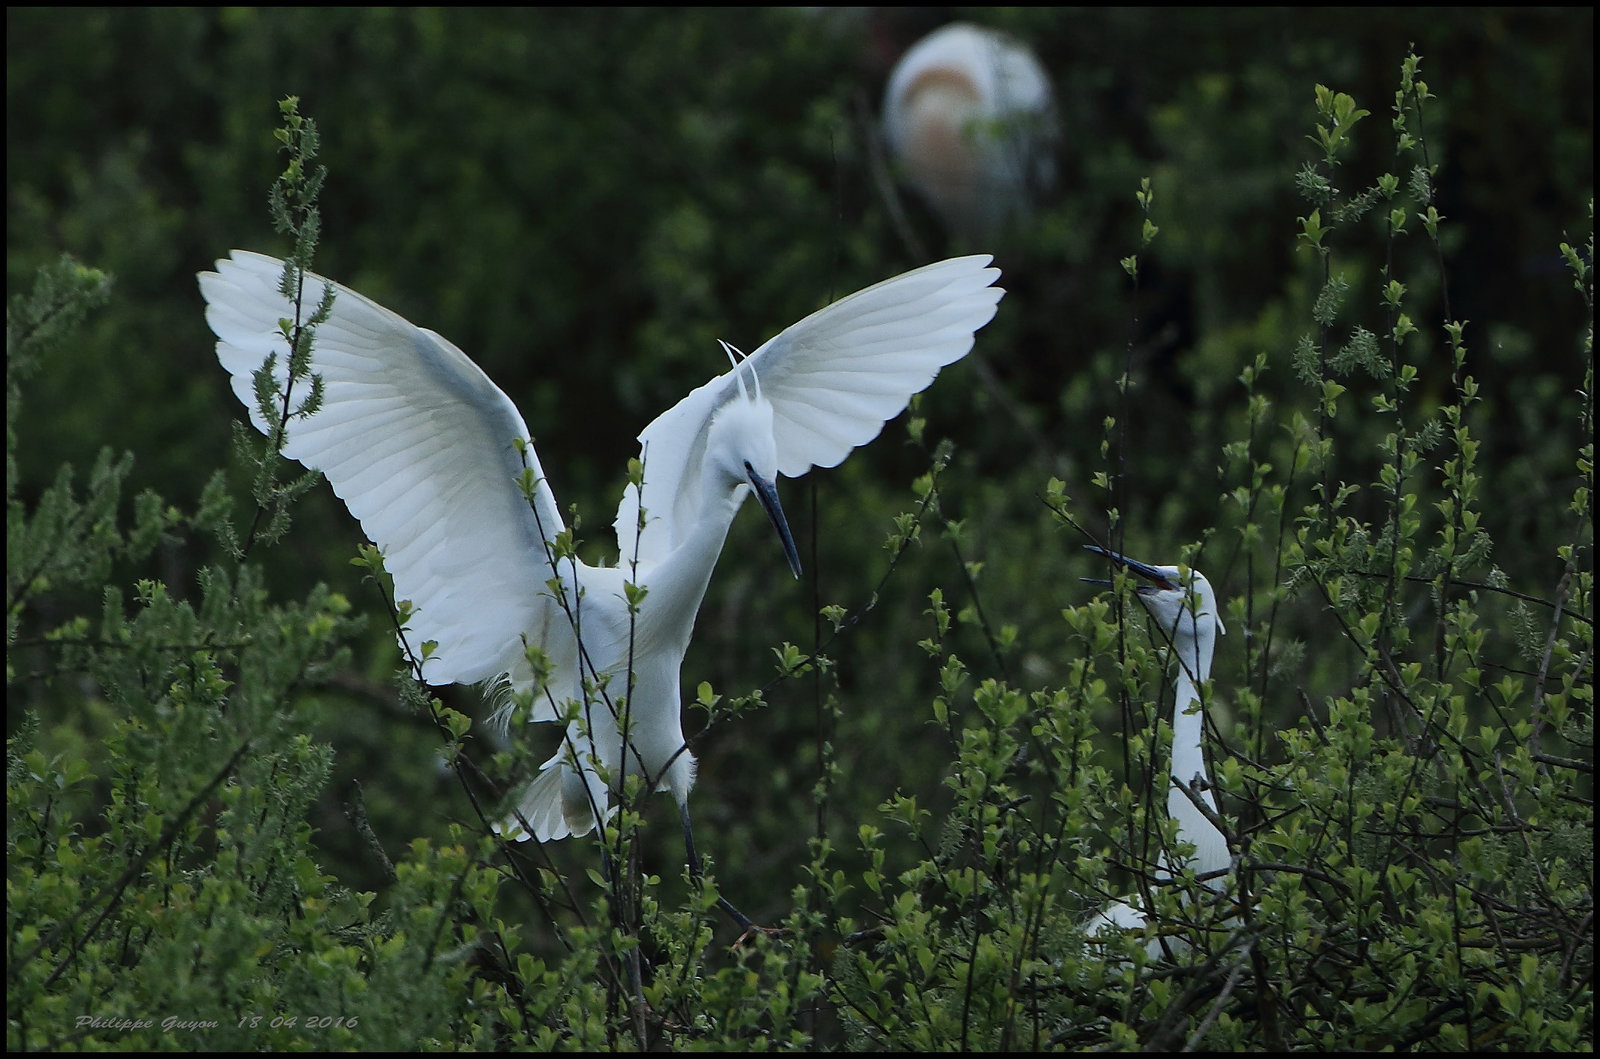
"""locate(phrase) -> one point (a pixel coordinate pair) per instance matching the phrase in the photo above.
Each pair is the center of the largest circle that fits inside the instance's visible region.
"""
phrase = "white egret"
(427, 453)
(969, 114)
(1185, 608)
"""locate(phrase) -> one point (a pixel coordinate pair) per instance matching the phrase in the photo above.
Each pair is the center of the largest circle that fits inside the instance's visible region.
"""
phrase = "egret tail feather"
(543, 810)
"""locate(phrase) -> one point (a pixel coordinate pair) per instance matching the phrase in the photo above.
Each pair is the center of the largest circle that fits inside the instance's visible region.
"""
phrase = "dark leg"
(694, 870)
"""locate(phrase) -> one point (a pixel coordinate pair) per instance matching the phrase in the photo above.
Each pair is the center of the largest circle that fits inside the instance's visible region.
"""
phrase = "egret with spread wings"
(428, 454)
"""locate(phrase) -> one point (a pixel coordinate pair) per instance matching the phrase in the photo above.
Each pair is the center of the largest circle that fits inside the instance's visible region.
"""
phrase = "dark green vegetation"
(1336, 362)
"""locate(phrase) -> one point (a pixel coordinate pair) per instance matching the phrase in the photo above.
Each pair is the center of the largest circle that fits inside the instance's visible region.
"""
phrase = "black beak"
(1144, 570)
(767, 493)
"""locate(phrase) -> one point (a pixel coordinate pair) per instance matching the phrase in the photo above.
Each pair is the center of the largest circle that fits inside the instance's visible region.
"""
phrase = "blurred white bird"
(970, 117)
(424, 450)
(1185, 608)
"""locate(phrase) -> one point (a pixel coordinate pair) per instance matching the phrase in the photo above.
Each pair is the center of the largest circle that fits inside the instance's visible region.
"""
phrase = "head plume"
(739, 360)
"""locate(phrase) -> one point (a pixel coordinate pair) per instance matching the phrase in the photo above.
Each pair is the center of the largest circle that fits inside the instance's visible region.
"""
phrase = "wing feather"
(837, 376)
(833, 380)
(418, 443)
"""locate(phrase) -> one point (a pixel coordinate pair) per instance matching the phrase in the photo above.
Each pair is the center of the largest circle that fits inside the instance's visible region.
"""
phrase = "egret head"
(1183, 603)
(742, 451)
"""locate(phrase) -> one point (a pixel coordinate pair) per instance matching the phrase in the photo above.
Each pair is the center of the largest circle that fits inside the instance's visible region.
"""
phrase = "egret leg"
(694, 870)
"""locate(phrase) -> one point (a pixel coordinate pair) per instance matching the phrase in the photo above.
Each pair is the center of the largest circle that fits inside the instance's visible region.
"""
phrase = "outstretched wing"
(417, 442)
(833, 380)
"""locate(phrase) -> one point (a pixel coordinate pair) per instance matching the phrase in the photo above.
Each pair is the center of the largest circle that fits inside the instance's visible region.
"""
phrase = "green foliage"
(162, 889)
(1257, 331)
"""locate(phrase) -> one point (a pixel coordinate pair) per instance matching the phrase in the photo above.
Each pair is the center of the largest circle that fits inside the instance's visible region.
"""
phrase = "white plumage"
(418, 443)
(1185, 608)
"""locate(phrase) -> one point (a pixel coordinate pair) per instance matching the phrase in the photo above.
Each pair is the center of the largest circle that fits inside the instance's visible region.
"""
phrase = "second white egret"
(427, 453)
(1185, 608)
